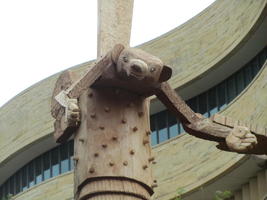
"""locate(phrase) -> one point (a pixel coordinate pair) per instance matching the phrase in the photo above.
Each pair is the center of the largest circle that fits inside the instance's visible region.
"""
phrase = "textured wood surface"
(113, 139)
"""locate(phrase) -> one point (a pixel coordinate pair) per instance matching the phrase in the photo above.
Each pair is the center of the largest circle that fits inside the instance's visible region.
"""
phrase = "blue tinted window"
(55, 162)
(162, 126)
(24, 178)
(172, 123)
(46, 166)
(38, 170)
(212, 99)
(31, 174)
(64, 158)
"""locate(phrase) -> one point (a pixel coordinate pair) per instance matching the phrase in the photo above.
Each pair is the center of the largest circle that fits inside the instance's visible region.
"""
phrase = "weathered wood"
(215, 129)
(114, 24)
(109, 143)
(62, 129)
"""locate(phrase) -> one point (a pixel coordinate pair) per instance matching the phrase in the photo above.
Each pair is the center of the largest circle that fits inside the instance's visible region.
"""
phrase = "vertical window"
(181, 128)
(231, 89)
(1, 192)
(240, 82)
(38, 170)
(17, 178)
(222, 96)
(31, 174)
(212, 99)
(46, 166)
(24, 178)
(55, 162)
(192, 103)
(162, 126)
(64, 158)
(248, 74)
(154, 139)
(6, 186)
(172, 123)
(203, 104)
(11, 185)
(71, 150)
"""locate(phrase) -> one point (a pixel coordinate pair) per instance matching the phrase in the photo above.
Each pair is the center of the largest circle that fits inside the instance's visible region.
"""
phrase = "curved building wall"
(163, 125)
(25, 121)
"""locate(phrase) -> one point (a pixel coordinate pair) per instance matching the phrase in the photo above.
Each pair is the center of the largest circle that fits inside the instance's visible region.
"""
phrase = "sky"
(39, 38)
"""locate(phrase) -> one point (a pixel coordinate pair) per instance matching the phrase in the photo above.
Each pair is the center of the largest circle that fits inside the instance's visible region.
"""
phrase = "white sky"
(41, 37)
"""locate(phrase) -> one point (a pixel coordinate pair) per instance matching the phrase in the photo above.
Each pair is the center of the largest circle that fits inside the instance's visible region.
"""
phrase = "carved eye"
(125, 59)
(152, 69)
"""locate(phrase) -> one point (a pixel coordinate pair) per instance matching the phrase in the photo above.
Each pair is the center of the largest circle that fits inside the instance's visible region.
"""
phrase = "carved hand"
(241, 140)
(73, 113)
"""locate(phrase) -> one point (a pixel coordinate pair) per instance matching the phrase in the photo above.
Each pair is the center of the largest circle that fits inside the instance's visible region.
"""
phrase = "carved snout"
(138, 68)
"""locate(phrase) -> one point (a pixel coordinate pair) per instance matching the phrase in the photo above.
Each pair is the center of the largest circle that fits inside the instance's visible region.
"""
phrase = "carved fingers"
(73, 112)
(241, 140)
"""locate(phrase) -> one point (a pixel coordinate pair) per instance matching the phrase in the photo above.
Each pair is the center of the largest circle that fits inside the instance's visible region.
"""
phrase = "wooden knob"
(154, 185)
(93, 115)
(145, 141)
(107, 109)
(91, 170)
(132, 152)
(140, 114)
(151, 159)
(123, 121)
(114, 138)
(145, 166)
(102, 127)
(104, 145)
(111, 163)
(125, 163)
(135, 129)
(96, 154)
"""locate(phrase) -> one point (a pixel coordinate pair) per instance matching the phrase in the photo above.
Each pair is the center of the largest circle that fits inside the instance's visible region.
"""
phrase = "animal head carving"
(132, 63)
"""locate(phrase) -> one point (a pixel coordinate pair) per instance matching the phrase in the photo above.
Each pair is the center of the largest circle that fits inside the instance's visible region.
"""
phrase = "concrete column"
(114, 24)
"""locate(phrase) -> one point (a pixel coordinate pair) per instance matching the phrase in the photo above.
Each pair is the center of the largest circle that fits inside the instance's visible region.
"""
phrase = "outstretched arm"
(231, 135)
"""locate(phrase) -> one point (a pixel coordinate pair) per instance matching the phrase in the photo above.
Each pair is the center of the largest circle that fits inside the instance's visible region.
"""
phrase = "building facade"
(219, 65)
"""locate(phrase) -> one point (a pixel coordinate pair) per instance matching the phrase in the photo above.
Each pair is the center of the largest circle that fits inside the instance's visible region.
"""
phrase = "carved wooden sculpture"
(107, 111)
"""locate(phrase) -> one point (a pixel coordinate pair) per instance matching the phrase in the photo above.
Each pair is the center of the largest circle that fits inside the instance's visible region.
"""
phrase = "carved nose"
(136, 68)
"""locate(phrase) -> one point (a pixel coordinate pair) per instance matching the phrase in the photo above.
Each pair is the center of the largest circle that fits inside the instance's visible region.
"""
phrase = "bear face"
(140, 66)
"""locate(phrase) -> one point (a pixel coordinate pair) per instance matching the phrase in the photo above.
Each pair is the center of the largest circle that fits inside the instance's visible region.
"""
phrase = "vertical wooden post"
(114, 24)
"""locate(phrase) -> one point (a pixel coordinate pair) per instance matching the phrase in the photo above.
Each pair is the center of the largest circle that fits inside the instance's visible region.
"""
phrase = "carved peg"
(140, 114)
(81, 140)
(102, 127)
(132, 152)
(93, 115)
(111, 163)
(145, 167)
(123, 121)
(135, 129)
(104, 146)
(90, 95)
(91, 170)
(154, 185)
(145, 141)
(125, 163)
(114, 138)
(151, 159)
(107, 109)
(96, 155)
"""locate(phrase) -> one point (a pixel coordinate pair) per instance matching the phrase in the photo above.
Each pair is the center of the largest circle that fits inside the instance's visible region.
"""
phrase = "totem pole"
(107, 112)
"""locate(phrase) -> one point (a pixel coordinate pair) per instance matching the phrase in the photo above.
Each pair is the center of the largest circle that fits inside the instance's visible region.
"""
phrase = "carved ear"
(116, 51)
(166, 74)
